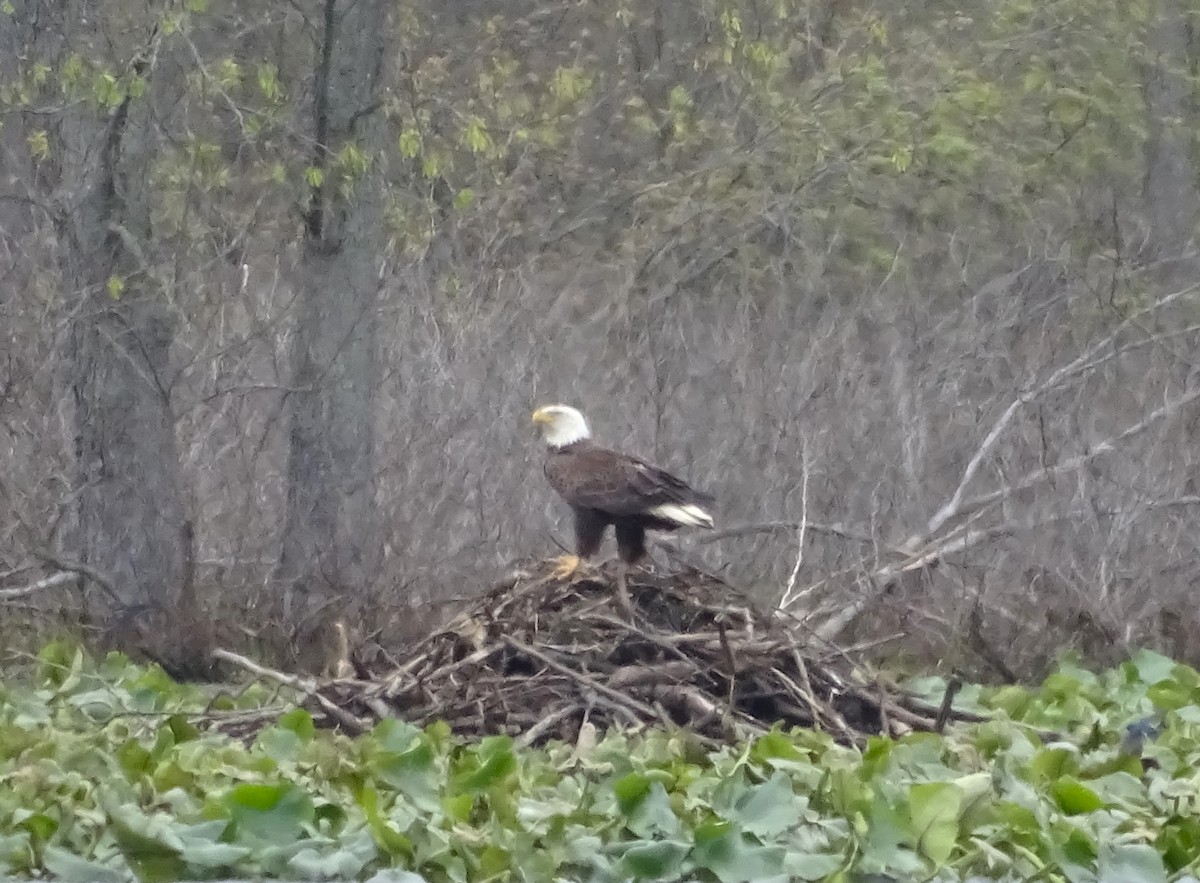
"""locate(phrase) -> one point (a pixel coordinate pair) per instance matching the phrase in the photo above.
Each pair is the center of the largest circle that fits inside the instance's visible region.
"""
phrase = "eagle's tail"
(683, 514)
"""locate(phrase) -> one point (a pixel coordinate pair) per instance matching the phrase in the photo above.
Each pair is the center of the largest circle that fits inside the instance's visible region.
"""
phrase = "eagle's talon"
(567, 567)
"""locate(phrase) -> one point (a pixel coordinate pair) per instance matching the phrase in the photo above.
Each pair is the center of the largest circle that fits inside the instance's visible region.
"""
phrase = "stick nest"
(537, 657)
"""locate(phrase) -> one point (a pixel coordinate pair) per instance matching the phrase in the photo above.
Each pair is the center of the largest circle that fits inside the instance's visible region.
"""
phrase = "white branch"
(49, 582)
(1081, 365)
(1105, 447)
(787, 599)
(963, 537)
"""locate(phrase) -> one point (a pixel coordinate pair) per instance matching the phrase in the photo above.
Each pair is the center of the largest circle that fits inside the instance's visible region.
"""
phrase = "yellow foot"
(567, 567)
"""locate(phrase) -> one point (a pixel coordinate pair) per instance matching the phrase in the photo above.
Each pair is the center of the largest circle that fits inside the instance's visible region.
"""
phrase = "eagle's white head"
(561, 425)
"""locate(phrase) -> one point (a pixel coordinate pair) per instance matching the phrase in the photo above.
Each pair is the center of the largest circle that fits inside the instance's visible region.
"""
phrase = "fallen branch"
(588, 683)
(49, 582)
(307, 686)
(961, 538)
(99, 578)
(788, 599)
(745, 530)
(1079, 366)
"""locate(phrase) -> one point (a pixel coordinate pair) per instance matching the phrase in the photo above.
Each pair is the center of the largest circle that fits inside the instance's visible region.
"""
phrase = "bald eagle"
(605, 487)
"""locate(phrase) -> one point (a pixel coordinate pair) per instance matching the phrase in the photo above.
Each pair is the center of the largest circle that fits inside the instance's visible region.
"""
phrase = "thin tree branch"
(48, 582)
(757, 527)
(100, 579)
(962, 538)
(801, 534)
(1075, 367)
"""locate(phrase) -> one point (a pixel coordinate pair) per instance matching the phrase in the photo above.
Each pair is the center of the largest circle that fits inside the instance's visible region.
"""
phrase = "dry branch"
(1077, 367)
(931, 551)
(49, 582)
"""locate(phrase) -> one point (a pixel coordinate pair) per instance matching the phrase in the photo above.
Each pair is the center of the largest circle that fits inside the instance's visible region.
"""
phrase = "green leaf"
(1153, 668)
(1013, 700)
(299, 722)
(769, 809)
(1052, 763)
(475, 135)
(1074, 798)
(70, 868)
(270, 813)
(1170, 695)
(387, 838)
(813, 865)
(39, 144)
(151, 844)
(732, 857)
(494, 762)
(650, 861)
(411, 772)
(630, 791)
(340, 864)
(935, 808)
(409, 143)
(211, 854)
(1131, 863)
(877, 756)
(39, 825)
(652, 815)
(268, 81)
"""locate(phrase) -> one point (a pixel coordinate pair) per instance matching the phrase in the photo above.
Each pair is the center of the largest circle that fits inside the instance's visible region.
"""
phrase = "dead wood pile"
(537, 657)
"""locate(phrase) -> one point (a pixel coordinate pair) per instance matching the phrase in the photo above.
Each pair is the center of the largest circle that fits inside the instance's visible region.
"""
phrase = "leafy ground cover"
(105, 776)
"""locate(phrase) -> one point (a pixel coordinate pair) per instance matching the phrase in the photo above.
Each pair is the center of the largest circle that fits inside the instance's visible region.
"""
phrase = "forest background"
(912, 288)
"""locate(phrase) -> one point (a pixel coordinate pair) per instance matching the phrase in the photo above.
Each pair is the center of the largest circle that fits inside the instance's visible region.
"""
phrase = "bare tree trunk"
(330, 535)
(132, 524)
(1169, 188)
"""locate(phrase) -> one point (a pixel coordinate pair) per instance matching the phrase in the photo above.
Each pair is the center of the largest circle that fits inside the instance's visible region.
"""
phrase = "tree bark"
(131, 518)
(330, 533)
(1169, 188)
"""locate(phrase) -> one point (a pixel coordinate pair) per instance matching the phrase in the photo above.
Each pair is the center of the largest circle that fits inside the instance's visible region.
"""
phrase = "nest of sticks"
(539, 658)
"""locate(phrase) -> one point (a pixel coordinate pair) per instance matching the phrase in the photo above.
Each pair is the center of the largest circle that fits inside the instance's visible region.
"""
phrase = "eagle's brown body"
(605, 487)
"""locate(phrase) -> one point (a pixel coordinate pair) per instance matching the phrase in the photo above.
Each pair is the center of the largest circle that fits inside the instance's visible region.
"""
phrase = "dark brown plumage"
(606, 487)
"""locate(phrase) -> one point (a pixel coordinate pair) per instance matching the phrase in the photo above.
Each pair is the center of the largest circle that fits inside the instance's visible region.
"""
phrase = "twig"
(307, 686)
(871, 644)
(85, 570)
(743, 530)
(549, 721)
(1075, 367)
(49, 582)
(958, 540)
(786, 600)
(729, 661)
(952, 687)
(580, 678)
(1104, 447)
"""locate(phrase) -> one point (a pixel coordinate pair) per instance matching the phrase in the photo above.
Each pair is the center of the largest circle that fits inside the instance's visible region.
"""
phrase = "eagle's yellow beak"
(543, 415)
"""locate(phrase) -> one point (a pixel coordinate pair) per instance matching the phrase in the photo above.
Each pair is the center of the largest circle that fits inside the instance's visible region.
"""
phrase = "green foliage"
(932, 118)
(103, 777)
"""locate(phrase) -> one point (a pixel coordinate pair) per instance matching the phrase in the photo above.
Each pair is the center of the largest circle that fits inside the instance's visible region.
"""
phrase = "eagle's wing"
(598, 478)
